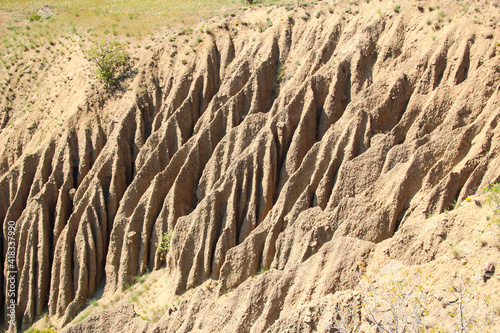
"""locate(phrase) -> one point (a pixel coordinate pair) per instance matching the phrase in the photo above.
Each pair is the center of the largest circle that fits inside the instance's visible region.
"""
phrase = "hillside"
(298, 155)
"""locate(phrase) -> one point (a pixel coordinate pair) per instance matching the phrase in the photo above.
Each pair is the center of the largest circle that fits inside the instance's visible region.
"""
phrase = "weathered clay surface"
(302, 150)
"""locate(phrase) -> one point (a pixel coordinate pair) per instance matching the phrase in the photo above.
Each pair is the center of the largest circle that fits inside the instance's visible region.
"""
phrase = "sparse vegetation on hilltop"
(132, 18)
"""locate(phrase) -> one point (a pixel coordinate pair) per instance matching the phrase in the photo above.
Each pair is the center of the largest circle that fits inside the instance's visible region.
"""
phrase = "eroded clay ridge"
(347, 120)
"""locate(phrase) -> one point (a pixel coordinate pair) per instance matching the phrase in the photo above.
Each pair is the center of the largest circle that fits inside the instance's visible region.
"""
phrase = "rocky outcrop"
(296, 151)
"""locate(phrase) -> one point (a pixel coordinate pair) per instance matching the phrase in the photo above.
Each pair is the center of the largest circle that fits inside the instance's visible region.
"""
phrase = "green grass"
(92, 302)
(83, 316)
(456, 254)
(262, 271)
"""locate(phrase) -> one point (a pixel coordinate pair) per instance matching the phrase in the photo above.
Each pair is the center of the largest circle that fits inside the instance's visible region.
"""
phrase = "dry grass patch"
(131, 18)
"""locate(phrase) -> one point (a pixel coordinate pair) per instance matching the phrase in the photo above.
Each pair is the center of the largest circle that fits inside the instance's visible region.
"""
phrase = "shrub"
(493, 199)
(164, 245)
(406, 303)
(344, 321)
(402, 305)
(111, 59)
(35, 17)
(470, 312)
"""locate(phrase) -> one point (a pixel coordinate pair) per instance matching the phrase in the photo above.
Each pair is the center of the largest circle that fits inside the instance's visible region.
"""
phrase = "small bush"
(111, 59)
(406, 301)
(402, 305)
(397, 8)
(456, 254)
(471, 311)
(185, 32)
(35, 17)
(261, 26)
(164, 245)
(493, 199)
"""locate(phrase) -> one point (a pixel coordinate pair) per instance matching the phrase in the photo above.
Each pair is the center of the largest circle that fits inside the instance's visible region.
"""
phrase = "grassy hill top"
(120, 18)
